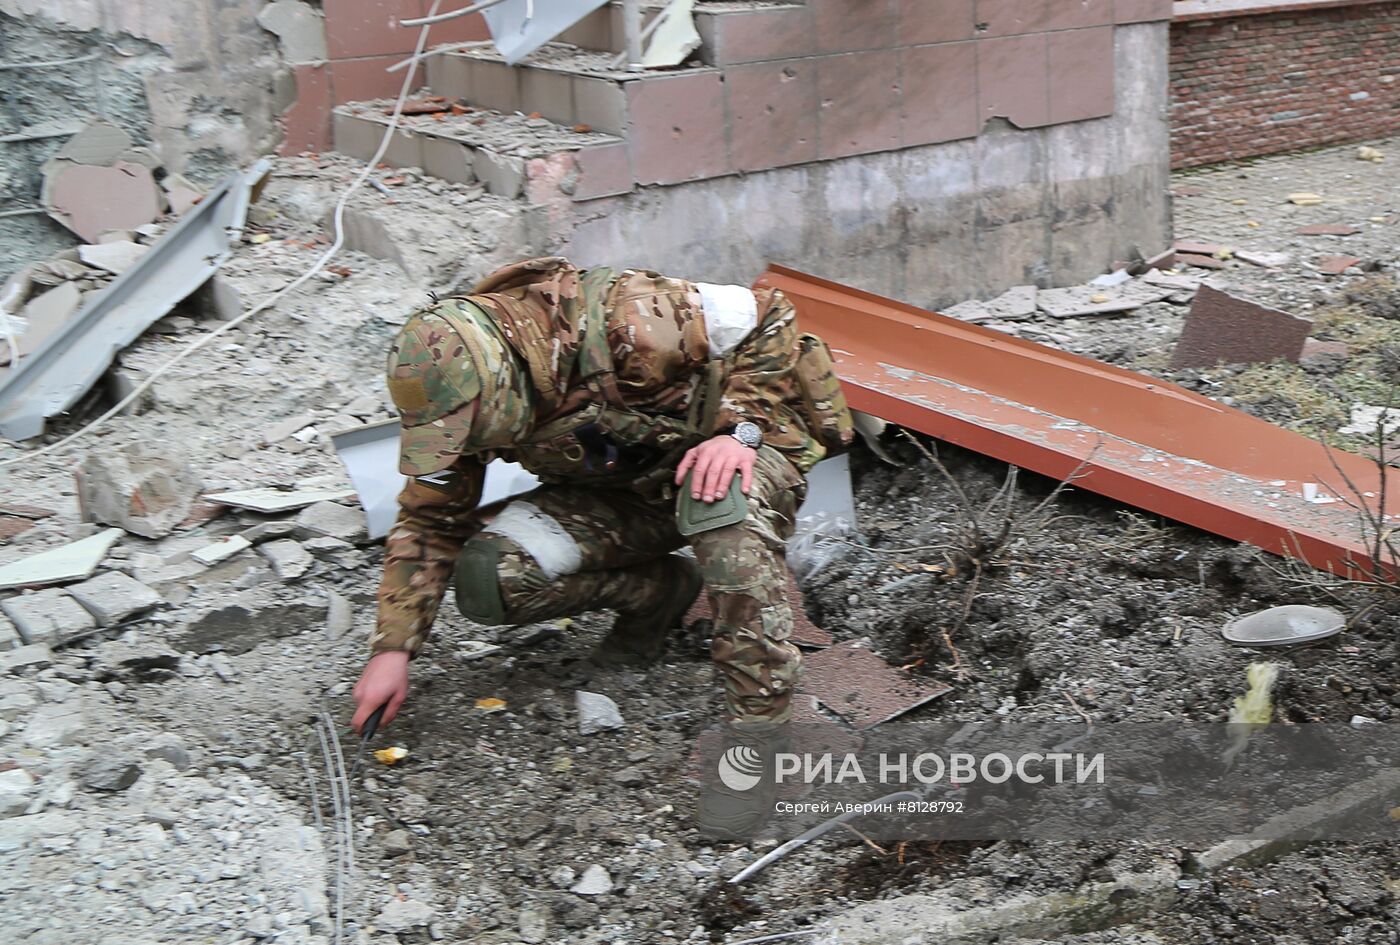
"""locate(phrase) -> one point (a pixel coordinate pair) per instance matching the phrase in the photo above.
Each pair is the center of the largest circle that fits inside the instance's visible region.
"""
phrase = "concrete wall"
(1251, 77)
(929, 225)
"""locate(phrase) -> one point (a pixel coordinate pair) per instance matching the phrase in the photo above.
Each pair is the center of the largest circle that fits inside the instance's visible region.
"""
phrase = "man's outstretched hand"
(384, 682)
(715, 462)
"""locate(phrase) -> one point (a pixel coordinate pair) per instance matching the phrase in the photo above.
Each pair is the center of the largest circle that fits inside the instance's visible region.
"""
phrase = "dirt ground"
(1092, 610)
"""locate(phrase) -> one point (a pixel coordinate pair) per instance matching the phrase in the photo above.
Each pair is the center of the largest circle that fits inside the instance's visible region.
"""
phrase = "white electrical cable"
(335, 247)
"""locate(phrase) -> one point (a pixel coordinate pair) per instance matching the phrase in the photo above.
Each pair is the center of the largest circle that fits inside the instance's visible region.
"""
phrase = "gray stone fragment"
(16, 699)
(49, 616)
(288, 558)
(111, 773)
(254, 617)
(404, 915)
(398, 842)
(53, 726)
(267, 531)
(503, 174)
(339, 617)
(25, 658)
(9, 635)
(147, 489)
(594, 882)
(596, 713)
(332, 519)
(115, 257)
(325, 546)
(533, 923)
(168, 747)
(17, 789)
(114, 596)
(21, 831)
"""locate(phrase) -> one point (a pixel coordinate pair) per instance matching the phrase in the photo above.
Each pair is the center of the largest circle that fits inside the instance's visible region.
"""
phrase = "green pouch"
(694, 516)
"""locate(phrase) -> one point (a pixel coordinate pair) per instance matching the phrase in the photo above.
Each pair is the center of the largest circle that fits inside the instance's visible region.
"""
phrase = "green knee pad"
(478, 583)
(694, 516)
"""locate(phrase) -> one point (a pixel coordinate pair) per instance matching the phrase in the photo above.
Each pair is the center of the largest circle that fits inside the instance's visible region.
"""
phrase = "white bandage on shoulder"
(731, 312)
(542, 537)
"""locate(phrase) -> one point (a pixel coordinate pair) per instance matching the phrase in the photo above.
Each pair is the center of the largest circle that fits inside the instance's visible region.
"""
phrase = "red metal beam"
(1140, 440)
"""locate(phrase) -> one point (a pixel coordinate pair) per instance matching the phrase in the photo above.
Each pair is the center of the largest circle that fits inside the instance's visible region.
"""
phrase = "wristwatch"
(748, 434)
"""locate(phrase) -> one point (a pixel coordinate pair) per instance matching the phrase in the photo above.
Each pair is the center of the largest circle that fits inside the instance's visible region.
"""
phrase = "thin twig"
(868, 842)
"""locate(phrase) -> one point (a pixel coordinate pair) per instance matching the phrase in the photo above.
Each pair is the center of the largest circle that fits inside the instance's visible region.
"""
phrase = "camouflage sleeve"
(762, 387)
(434, 522)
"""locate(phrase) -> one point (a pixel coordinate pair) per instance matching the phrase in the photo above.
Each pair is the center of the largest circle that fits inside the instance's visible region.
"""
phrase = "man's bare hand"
(384, 682)
(715, 462)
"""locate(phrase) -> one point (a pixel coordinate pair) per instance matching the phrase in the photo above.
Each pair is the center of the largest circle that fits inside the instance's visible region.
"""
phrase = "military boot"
(735, 804)
(660, 593)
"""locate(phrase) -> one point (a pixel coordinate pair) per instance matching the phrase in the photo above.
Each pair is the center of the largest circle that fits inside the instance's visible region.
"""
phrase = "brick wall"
(1252, 78)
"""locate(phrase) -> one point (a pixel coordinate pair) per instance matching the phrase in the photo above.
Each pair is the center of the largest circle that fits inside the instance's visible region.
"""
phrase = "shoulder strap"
(595, 360)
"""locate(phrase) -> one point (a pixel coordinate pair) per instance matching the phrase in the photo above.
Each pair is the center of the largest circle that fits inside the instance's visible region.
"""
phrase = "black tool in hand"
(371, 726)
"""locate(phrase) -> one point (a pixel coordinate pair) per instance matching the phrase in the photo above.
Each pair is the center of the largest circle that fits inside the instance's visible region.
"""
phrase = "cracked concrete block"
(49, 616)
(21, 659)
(90, 199)
(300, 29)
(254, 617)
(331, 519)
(55, 726)
(147, 490)
(114, 596)
(288, 558)
(503, 174)
(116, 257)
(448, 159)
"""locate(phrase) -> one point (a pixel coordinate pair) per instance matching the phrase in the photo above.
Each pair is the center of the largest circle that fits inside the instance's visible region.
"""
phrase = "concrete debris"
(288, 558)
(404, 915)
(111, 773)
(23, 659)
(101, 143)
(674, 39)
(114, 596)
(595, 881)
(254, 616)
(272, 501)
(1014, 304)
(180, 193)
(49, 616)
(1110, 279)
(71, 562)
(45, 315)
(862, 688)
(397, 842)
(221, 550)
(1328, 229)
(332, 520)
(1368, 153)
(1222, 328)
(1198, 248)
(267, 531)
(1169, 280)
(1077, 301)
(282, 429)
(1336, 265)
(299, 27)
(17, 789)
(1264, 260)
(1199, 261)
(116, 257)
(55, 726)
(147, 489)
(340, 620)
(596, 713)
(1369, 419)
(1324, 357)
(9, 635)
(90, 199)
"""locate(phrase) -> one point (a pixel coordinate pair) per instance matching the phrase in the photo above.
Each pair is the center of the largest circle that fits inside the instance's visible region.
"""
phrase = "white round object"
(1280, 626)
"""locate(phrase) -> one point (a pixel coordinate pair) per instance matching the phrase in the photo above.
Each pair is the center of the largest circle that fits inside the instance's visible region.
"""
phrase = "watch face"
(749, 434)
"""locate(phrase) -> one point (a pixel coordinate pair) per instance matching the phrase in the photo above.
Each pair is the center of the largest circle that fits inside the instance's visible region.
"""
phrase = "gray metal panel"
(56, 375)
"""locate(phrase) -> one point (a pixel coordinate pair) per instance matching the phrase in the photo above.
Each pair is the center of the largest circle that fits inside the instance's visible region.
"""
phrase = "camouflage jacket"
(660, 342)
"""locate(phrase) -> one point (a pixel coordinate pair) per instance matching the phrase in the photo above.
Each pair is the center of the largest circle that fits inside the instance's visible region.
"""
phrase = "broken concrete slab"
(271, 501)
(180, 193)
(289, 560)
(56, 726)
(45, 314)
(1198, 248)
(1076, 301)
(332, 520)
(1225, 329)
(71, 562)
(116, 257)
(340, 619)
(1328, 229)
(49, 617)
(1172, 281)
(1336, 265)
(1015, 303)
(114, 596)
(101, 143)
(282, 429)
(862, 688)
(90, 199)
(1264, 260)
(1199, 261)
(144, 489)
(22, 659)
(299, 27)
(255, 616)
(221, 550)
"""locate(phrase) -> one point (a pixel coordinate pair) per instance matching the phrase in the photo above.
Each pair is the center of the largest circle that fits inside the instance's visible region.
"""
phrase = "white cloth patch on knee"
(541, 536)
(731, 312)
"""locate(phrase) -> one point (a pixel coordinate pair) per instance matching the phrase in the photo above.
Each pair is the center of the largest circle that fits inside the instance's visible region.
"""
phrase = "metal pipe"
(632, 33)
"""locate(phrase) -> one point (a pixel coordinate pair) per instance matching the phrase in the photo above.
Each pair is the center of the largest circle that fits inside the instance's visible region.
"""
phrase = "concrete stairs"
(570, 118)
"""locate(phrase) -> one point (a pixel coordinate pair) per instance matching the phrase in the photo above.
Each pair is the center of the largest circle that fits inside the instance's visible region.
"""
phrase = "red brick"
(357, 80)
(936, 21)
(849, 25)
(772, 113)
(677, 128)
(859, 108)
(1013, 81)
(359, 28)
(1081, 74)
(939, 93)
(306, 126)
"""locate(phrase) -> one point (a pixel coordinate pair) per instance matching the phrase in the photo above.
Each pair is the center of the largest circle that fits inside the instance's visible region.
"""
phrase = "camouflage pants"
(564, 550)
